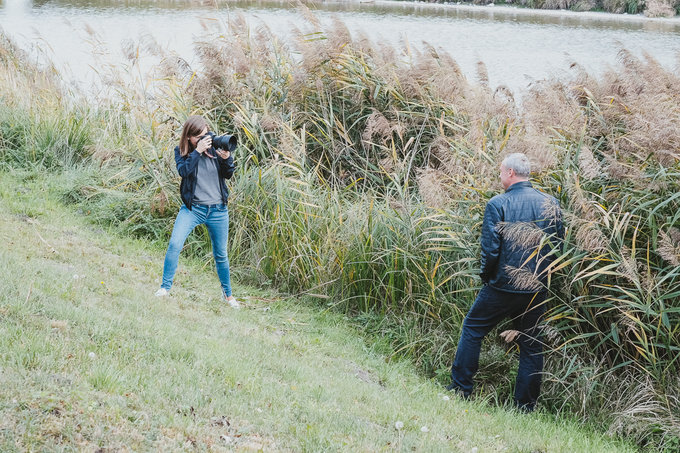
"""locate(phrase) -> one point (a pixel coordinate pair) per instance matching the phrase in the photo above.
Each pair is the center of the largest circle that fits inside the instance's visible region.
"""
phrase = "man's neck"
(516, 181)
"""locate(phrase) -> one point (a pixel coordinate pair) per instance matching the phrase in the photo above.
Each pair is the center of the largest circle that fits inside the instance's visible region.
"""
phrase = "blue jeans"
(490, 308)
(216, 218)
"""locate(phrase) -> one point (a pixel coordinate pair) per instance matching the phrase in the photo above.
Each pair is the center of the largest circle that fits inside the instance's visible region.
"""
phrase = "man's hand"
(509, 335)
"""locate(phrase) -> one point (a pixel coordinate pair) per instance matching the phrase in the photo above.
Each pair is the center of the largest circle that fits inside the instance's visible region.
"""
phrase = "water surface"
(518, 46)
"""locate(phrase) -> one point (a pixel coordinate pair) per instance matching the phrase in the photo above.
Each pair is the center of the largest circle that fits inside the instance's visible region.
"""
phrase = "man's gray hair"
(518, 162)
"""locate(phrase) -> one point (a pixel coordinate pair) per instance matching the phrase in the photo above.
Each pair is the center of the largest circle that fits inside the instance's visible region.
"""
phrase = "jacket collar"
(519, 185)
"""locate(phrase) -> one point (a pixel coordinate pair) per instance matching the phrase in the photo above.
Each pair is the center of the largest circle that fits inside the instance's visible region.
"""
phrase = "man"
(520, 230)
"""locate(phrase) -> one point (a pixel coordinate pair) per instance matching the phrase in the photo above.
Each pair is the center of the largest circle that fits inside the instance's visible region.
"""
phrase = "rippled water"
(517, 46)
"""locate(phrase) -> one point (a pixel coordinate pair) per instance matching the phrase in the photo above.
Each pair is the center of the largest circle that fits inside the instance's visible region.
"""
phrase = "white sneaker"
(162, 292)
(233, 303)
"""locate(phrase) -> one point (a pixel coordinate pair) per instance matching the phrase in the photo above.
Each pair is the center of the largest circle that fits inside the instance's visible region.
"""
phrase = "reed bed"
(650, 8)
(363, 172)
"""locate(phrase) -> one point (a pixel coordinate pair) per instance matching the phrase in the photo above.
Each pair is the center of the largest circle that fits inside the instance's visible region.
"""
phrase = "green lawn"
(90, 360)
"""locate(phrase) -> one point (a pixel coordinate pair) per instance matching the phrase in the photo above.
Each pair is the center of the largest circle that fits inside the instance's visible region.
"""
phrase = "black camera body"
(225, 142)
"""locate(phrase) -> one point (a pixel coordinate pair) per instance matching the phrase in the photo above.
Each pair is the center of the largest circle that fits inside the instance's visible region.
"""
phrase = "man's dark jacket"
(187, 167)
(516, 224)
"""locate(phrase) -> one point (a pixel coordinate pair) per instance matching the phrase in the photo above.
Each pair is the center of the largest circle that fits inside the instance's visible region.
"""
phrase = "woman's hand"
(223, 154)
(204, 144)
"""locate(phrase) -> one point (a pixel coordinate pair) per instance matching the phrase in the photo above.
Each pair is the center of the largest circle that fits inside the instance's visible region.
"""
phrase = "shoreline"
(527, 12)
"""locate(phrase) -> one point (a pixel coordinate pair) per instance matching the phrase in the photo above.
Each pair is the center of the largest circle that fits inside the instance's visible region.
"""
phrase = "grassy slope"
(97, 361)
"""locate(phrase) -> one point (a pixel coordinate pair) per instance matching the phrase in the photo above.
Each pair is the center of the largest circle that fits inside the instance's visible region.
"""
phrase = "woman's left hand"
(223, 154)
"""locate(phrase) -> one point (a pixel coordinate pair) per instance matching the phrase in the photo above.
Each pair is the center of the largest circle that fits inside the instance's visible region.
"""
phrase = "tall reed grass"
(363, 172)
(650, 8)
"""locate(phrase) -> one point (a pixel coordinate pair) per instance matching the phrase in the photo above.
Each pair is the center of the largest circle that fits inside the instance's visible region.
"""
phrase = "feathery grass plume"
(581, 79)
(377, 125)
(589, 167)
(621, 170)
(659, 8)
(628, 266)
(130, 50)
(482, 74)
(552, 335)
(10, 53)
(523, 279)
(391, 165)
(550, 210)
(578, 204)
(674, 234)
(636, 111)
(584, 5)
(526, 235)
(627, 324)
(269, 122)
(551, 104)
(615, 6)
(589, 237)
(444, 157)
(174, 67)
(433, 188)
(636, 404)
(504, 95)
(435, 74)
(558, 4)
(339, 36)
(669, 246)
(535, 146)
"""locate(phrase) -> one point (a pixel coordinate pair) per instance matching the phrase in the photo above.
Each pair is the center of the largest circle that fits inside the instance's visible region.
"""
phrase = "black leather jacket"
(515, 252)
(187, 167)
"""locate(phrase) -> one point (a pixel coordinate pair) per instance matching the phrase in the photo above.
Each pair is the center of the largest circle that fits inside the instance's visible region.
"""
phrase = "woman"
(204, 192)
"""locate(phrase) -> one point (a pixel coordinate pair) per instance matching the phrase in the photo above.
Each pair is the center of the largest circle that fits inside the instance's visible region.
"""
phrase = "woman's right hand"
(204, 144)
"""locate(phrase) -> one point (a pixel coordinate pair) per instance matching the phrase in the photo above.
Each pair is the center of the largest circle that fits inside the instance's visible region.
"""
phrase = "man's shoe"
(453, 388)
(162, 292)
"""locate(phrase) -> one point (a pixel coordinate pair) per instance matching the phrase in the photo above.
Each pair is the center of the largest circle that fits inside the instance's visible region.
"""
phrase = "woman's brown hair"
(193, 126)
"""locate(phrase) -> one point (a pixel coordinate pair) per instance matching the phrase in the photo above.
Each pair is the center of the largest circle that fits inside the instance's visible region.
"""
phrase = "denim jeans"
(490, 308)
(216, 218)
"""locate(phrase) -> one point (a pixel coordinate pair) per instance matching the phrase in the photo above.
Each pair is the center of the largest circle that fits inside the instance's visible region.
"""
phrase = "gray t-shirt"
(207, 182)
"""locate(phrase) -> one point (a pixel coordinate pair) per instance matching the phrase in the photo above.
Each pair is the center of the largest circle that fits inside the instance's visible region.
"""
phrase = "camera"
(225, 142)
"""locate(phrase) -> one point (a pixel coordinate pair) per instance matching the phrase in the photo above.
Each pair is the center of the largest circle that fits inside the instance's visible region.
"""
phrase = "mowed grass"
(90, 360)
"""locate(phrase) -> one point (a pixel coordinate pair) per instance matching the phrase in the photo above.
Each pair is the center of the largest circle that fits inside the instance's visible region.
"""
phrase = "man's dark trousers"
(490, 308)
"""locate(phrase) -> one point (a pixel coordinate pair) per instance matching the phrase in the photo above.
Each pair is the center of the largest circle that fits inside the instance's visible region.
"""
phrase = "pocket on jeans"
(221, 208)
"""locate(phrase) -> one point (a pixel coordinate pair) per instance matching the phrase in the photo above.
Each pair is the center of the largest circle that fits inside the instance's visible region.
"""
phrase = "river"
(518, 46)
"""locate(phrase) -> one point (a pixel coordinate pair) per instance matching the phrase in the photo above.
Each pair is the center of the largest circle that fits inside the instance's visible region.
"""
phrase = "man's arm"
(490, 241)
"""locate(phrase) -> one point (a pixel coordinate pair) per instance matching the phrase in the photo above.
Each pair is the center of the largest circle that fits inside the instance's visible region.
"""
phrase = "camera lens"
(225, 142)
